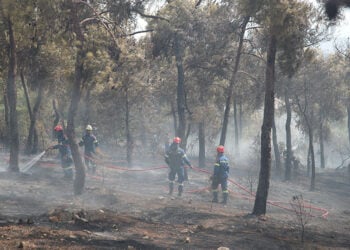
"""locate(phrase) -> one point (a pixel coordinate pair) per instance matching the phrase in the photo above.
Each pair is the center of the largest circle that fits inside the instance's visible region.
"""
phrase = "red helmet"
(220, 149)
(58, 128)
(177, 140)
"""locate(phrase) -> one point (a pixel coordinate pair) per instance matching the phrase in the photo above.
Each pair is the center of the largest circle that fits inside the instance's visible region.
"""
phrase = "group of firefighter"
(175, 157)
(89, 142)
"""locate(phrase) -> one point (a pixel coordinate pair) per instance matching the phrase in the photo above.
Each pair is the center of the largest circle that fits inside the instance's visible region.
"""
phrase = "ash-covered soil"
(129, 208)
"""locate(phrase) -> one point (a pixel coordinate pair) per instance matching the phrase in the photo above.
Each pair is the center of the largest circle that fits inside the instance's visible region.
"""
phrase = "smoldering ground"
(131, 204)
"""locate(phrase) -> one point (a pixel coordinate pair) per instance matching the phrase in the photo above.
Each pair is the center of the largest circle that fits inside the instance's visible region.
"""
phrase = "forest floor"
(130, 209)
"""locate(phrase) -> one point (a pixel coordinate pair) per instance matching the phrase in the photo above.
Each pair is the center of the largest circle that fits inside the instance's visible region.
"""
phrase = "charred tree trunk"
(322, 160)
(235, 119)
(36, 109)
(30, 132)
(87, 107)
(32, 139)
(129, 140)
(7, 119)
(312, 158)
(240, 119)
(173, 112)
(348, 112)
(269, 105)
(181, 129)
(57, 114)
(79, 182)
(308, 163)
(232, 82)
(12, 100)
(276, 149)
(201, 138)
(288, 160)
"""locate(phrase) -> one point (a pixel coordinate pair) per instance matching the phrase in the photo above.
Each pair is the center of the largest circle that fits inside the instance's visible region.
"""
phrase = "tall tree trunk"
(322, 160)
(232, 81)
(36, 109)
(79, 182)
(173, 112)
(308, 163)
(32, 139)
(87, 107)
(129, 139)
(288, 160)
(276, 149)
(235, 120)
(312, 156)
(201, 138)
(57, 114)
(29, 107)
(181, 129)
(12, 100)
(348, 112)
(7, 119)
(269, 105)
(240, 119)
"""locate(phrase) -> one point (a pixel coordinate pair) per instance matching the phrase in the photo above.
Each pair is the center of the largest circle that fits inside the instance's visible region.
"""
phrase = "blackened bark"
(322, 160)
(269, 105)
(276, 149)
(29, 108)
(87, 107)
(79, 181)
(129, 139)
(36, 109)
(201, 138)
(235, 120)
(181, 129)
(232, 82)
(12, 100)
(57, 115)
(173, 112)
(348, 112)
(288, 160)
(7, 118)
(32, 139)
(240, 118)
(312, 158)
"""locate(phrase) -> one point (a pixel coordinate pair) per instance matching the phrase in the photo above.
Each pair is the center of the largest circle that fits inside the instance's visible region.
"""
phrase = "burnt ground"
(122, 209)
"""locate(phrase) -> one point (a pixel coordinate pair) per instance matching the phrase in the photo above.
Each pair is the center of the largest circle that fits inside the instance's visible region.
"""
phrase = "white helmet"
(89, 128)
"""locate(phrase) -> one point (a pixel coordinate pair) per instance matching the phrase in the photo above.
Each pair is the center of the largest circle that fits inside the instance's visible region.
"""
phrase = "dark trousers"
(179, 171)
(222, 181)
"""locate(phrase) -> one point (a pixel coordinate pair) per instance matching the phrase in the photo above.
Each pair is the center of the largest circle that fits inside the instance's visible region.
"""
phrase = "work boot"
(171, 188)
(224, 198)
(215, 198)
(180, 189)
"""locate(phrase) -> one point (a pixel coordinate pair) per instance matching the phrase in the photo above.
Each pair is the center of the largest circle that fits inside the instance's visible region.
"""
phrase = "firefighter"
(176, 159)
(90, 143)
(65, 152)
(220, 175)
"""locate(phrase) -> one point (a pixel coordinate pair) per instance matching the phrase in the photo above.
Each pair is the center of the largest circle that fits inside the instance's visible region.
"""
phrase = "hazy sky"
(339, 33)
